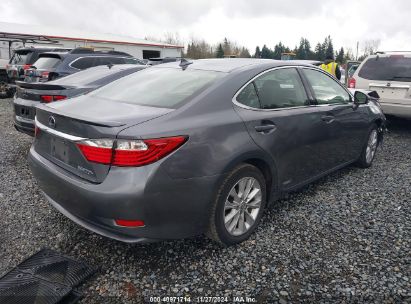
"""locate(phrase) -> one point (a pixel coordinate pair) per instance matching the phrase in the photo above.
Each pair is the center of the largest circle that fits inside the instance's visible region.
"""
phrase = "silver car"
(389, 74)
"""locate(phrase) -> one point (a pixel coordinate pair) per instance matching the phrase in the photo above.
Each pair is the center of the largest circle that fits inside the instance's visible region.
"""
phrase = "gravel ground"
(345, 238)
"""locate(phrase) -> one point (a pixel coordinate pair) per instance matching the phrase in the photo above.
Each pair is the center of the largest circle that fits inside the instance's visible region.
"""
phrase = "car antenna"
(184, 63)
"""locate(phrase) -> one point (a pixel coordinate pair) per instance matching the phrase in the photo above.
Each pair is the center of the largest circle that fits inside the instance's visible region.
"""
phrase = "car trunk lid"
(64, 125)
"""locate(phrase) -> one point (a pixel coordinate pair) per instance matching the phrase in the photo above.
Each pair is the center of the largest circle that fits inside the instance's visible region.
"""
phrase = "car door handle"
(328, 118)
(265, 128)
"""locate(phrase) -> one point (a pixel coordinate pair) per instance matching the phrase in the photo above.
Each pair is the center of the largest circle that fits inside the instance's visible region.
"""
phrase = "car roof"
(390, 53)
(41, 49)
(228, 65)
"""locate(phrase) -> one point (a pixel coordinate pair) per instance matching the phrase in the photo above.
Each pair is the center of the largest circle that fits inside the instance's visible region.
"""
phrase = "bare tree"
(172, 38)
(371, 46)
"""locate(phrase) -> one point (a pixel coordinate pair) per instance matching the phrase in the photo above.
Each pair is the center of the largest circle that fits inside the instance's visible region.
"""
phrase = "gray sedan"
(194, 147)
(29, 95)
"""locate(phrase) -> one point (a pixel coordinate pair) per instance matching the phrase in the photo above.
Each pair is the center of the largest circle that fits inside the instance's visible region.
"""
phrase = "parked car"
(5, 91)
(29, 95)
(181, 149)
(23, 58)
(54, 65)
(351, 67)
(389, 74)
(160, 60)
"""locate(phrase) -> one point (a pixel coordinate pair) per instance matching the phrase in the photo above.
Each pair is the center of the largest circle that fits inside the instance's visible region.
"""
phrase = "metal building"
(14, 35)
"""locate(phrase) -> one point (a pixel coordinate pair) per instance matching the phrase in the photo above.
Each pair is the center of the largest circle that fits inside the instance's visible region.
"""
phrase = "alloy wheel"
(242, 206)
(371, 146)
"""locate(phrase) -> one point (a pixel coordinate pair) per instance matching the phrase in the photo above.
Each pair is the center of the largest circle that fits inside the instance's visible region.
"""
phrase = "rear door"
(279, 117)
(347, 124)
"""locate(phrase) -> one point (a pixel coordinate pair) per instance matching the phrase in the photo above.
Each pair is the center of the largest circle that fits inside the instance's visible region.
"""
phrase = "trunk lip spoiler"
(41, 86)
(51, 111)
(58, 133)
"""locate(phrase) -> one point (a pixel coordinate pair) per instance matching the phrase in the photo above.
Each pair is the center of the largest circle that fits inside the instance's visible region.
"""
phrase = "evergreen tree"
(257, 53)
(307, 49)
(244, 53)
(227, 47)
(266, 52)
(220, 52)
(329, 49)
(278, 49)
(319, 52)
(340, 56)
(300, 51)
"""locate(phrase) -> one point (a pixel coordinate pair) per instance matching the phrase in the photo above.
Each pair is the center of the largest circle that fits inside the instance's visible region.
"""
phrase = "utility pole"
(356, 56)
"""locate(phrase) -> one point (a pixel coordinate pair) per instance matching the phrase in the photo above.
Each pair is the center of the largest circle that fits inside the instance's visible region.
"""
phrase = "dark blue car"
(54, 65)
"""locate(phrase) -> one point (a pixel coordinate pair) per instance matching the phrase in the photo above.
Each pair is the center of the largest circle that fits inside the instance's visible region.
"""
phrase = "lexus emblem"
(52, 122)
(388, 84)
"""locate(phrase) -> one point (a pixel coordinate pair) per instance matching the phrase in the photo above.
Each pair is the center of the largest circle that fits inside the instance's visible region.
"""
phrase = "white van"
(389, 74)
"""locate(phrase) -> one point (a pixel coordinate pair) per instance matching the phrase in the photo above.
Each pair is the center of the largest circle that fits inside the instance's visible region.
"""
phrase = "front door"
(346, 122)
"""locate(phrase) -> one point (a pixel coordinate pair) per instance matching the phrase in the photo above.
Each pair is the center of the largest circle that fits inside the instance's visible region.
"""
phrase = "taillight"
(36, 130)
(130, 223)
(50, 98)
(26, 66)
(97, 150)
(351, 82)
(45, 75)
(129, 153)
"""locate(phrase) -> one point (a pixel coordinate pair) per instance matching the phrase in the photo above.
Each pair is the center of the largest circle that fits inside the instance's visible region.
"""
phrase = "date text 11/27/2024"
(188, 299)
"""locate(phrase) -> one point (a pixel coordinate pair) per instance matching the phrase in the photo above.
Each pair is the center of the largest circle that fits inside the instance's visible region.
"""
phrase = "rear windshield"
(21, 57)
(392, 68)
(47, 62)
(158, 87)
(87, 76)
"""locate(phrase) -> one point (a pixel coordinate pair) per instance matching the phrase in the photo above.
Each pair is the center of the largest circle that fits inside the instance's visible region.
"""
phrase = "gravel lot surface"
(346, 238)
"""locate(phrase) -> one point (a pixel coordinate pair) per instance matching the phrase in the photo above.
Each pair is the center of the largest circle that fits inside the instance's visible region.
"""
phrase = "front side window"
(281, 88)
(326, 89)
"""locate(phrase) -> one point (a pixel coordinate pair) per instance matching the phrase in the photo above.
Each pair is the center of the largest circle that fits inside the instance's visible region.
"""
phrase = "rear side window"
(281, 88)
(248, 96)
(47, 62)
(86, 77)
(84, 63)
(392, 68)
(116, 60)
(20, 58)
(158, 87)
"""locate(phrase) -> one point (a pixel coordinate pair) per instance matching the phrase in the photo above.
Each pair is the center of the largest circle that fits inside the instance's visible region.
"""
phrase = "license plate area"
(390, 92)
(59, 149)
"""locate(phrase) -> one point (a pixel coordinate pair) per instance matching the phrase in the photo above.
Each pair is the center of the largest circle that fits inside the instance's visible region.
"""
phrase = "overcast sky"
(248, 22)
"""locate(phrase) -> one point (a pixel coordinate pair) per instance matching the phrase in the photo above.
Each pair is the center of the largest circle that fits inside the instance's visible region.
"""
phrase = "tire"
(370, 148)
(248, 215)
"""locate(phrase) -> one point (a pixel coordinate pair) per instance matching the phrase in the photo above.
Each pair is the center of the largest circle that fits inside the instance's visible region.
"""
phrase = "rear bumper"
(24, 125)
(170, 208)
(24, 113)
(396, 109)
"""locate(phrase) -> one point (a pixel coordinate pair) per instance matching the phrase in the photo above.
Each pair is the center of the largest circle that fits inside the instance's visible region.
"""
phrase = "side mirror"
(360, 98)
